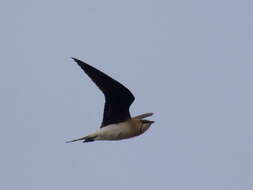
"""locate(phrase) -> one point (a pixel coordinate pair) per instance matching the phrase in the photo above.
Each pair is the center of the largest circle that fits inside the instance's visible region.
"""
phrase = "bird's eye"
(141, 129)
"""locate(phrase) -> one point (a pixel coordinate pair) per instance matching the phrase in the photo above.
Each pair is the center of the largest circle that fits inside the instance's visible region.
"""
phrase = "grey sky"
(188, 61)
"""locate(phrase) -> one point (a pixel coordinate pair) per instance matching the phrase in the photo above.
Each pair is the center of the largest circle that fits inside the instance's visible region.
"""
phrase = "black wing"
(117, 97)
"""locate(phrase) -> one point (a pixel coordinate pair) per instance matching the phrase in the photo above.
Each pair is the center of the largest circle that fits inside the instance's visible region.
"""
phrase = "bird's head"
(145, 124)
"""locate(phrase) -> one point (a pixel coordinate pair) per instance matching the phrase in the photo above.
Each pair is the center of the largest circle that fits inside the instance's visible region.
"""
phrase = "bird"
(117, 123)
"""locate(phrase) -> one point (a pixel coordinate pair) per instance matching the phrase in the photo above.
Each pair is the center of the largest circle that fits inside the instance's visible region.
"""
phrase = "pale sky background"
(188, 61)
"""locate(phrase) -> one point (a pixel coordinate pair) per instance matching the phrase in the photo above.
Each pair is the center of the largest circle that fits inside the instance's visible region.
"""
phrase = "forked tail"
(85, 139)
(79, 139)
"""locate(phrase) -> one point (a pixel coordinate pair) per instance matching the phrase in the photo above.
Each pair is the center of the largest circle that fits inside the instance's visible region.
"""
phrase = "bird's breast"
(118, 131)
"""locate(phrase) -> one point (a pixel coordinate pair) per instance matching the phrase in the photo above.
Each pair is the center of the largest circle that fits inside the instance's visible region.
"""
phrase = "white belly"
(118, 131)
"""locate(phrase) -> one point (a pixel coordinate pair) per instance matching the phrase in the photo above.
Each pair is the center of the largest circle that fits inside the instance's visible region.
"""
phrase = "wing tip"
(82, 64)
(76, 60)
(144, 115)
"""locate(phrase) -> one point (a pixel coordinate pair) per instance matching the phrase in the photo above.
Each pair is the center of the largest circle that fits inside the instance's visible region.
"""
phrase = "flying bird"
(117, 122)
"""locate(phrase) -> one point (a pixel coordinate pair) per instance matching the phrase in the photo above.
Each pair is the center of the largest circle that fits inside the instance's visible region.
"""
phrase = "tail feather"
(88, 138)
(79, 139)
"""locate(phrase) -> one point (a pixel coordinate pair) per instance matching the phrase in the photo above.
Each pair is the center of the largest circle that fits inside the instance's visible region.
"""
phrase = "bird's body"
(117, 123)
(123, 130)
